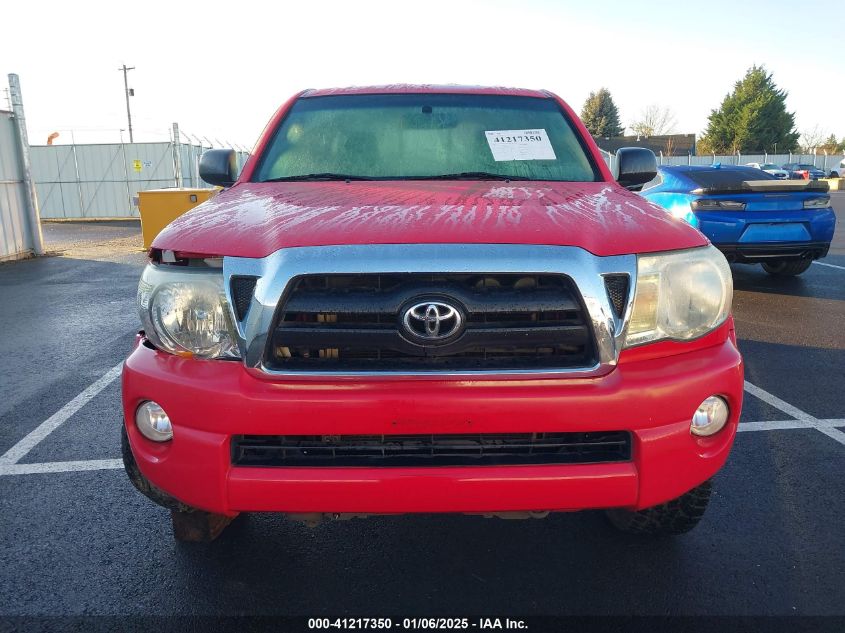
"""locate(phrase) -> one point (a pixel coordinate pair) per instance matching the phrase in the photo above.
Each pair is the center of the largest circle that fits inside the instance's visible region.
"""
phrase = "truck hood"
(257, 219)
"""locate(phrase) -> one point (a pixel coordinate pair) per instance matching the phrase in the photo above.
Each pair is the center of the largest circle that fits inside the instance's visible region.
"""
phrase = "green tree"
(831, 145)
(600, 114)
(751, 118)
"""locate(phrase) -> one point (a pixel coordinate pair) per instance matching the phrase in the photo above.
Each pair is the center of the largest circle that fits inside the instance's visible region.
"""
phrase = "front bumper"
(652, 393)
(756, 253)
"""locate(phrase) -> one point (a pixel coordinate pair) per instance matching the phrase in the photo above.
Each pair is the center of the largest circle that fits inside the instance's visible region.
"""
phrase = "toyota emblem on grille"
(431, 321)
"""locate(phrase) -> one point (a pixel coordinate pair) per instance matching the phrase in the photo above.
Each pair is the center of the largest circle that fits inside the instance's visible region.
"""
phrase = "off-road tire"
(667, 519)
(787, 267)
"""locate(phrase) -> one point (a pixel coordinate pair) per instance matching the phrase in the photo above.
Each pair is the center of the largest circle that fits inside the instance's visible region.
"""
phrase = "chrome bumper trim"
(276, 271)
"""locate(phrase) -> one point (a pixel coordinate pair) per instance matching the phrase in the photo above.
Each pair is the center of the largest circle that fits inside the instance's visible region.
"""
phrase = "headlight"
(680, 295)
(185, 312)
(822, 202)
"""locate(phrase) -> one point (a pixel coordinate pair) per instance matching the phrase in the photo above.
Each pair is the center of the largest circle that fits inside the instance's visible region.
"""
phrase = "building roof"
(681, 144)
(427, 89)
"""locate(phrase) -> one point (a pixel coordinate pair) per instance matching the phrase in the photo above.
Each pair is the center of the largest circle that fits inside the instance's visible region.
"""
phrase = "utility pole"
(129, 93)
(31, 200)
(177, 155)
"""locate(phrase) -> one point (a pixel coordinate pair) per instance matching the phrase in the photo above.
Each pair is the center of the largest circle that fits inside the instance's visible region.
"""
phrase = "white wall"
(16, 238)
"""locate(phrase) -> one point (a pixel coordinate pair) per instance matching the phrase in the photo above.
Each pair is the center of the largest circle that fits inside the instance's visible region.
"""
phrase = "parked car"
(431, 299)
(838, 171)
(770, 168)
(749, 216)
(804, 171)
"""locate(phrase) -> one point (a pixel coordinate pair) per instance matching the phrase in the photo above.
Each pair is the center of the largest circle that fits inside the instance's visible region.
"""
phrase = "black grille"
(617, 291)
(352, 323)
(431, 450)
(242, 291)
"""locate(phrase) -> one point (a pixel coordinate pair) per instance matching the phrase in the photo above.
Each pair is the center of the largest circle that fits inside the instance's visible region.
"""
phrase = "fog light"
(710, 416)
(153, 422)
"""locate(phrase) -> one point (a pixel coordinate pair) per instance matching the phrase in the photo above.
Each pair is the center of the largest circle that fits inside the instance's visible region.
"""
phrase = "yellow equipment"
(159, 207)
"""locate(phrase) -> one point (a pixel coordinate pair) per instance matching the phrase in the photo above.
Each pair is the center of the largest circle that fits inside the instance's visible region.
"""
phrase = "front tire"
(787, 267)
(667, 519)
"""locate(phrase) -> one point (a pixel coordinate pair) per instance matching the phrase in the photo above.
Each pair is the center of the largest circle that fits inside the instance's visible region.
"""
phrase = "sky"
(220, 69)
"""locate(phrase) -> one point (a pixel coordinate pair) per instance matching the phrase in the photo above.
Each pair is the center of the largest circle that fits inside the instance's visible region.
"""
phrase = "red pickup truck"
(431, 299)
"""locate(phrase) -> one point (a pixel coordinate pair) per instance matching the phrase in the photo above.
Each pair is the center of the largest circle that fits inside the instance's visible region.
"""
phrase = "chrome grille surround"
(276, 271)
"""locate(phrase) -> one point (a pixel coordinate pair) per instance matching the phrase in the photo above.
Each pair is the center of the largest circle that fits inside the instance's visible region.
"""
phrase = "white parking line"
(829, 265)
(834, 434)
(805, 418)
(784, 425)
(60, 467)
(19, 450)
(777, 403)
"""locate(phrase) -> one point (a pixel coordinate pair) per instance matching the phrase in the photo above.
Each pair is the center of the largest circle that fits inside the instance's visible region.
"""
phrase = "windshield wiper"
(317, 177)
(470, 175)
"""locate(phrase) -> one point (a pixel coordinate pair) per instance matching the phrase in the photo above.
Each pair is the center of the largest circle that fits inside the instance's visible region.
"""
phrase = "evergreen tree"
(831, 145)
(751, 118)
(600, 114)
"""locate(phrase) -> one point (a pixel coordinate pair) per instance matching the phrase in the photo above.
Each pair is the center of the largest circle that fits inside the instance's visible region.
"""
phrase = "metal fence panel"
(156, 169)
(15, 235)
(53, 198)
(54, 172)
(103, 180)
(822, 161)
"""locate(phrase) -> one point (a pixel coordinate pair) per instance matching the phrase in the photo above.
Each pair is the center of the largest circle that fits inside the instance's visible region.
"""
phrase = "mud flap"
(198, 526)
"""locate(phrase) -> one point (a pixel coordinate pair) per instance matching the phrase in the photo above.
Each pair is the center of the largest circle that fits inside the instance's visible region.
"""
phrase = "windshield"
(769, 166)
(408, 136)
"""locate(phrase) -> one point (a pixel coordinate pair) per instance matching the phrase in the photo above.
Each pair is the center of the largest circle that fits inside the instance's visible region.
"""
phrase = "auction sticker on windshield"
(520, 145)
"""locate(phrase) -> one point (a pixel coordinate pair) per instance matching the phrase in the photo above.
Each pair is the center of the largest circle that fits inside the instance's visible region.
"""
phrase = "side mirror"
(635, 167)
(219, 167)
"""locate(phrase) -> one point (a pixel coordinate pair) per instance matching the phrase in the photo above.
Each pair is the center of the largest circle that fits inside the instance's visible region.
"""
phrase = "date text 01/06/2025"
(417, 623)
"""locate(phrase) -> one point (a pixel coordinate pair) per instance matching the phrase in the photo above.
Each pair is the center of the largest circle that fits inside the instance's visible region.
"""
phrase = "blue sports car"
(751, 216)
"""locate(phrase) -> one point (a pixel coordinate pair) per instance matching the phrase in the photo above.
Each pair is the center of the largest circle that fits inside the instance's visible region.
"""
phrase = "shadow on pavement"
(817, 282)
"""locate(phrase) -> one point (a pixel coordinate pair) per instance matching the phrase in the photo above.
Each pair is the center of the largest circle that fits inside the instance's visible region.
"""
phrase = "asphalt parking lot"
(77, 539)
